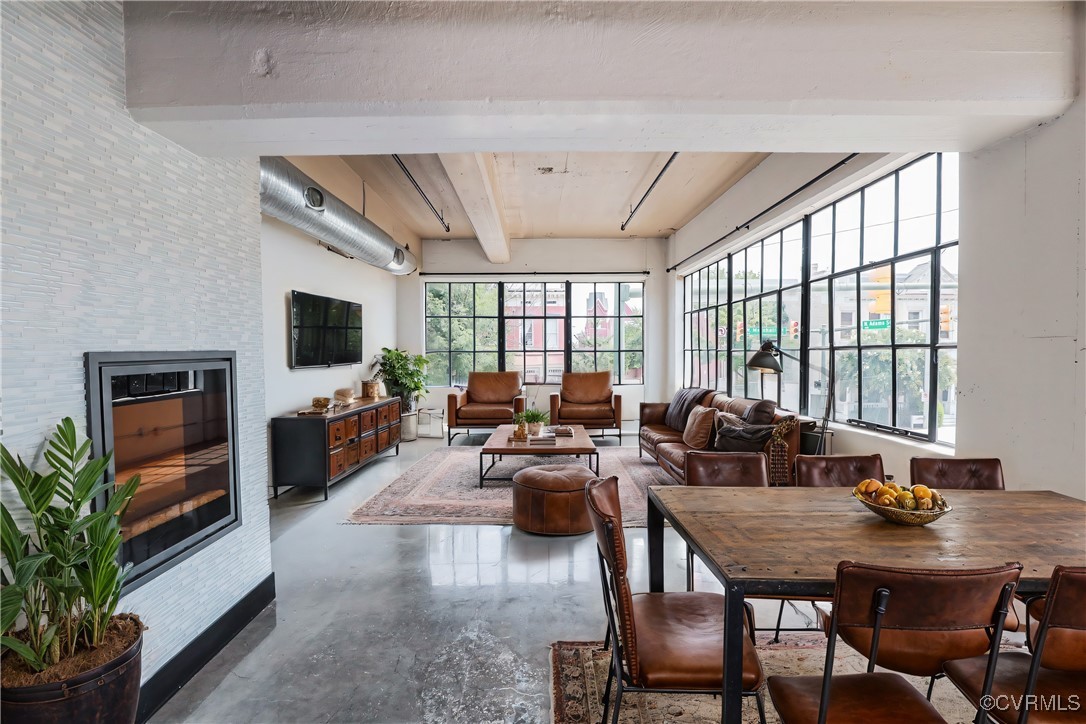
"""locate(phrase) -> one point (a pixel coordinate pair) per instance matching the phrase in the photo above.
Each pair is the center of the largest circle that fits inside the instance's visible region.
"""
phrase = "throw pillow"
(699, 427)
(727, 418)
(760, 413)
(745, 438)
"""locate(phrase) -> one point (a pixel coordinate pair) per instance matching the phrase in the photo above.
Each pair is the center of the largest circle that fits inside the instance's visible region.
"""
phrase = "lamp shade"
(765, 362)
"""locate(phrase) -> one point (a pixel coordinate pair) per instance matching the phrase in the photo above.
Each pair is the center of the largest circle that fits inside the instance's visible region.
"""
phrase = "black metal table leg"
(731, 701)
(655, 525)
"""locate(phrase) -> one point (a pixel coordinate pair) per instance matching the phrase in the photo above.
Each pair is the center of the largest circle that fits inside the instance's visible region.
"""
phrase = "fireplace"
(170, 417)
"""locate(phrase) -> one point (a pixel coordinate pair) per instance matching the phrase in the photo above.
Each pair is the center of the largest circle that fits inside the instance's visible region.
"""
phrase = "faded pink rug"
(443, 487)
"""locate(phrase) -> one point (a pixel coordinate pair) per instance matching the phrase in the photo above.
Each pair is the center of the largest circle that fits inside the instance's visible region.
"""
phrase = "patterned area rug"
(579, 676)
(443, 487)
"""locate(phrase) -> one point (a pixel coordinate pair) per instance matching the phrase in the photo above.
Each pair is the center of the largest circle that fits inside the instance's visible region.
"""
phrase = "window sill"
(919, 447)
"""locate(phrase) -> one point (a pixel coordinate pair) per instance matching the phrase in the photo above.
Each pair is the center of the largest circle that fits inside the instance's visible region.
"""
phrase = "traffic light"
(793, 329)
(944, 318)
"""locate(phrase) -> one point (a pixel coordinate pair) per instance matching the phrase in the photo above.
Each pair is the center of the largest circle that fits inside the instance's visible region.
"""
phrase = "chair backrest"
(605, 513)
(837, 471)
(1061, 639)
(729, 470)
(586, 387)
(494, 387)
(928, 616)
(957, 473)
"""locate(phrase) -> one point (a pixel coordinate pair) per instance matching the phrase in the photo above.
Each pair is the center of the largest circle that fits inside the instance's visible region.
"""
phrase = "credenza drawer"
(337, 463)
(369, 421)
(337, 433)
(352, 427)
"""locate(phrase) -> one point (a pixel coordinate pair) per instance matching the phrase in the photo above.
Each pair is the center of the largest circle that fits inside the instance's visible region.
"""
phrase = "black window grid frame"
(934, 346)
(502, 317)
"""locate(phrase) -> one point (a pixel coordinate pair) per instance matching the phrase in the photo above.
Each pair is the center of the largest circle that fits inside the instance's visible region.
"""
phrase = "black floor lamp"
(765, 361)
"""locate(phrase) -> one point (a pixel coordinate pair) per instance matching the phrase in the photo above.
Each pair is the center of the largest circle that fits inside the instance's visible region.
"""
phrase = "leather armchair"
(587, 399)
(491, 399)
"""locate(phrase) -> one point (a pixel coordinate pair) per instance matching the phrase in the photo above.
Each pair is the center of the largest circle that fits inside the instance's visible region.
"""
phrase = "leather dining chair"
(957, 473)
(899, 619)
(735, 470)
(731, 470)
(1054, 674)
(665, 642)
(837, 471)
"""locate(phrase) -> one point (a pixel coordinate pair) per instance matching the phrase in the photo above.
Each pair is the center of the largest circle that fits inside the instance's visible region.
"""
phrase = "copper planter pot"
(107, 694)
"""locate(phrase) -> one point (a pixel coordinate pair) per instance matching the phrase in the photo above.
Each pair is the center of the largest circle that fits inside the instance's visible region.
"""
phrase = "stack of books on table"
(542, 440)
(563, 431)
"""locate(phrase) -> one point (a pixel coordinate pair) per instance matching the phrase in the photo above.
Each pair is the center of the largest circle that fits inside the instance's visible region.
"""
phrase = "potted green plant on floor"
(67, 654)
(533, 418)
(403, 373)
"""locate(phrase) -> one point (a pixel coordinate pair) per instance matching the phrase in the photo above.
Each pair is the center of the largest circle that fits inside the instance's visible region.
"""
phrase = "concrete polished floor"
(416, 623)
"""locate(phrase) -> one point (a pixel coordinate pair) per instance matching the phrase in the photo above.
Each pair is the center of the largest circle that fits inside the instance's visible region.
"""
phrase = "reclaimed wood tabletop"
(790, 540)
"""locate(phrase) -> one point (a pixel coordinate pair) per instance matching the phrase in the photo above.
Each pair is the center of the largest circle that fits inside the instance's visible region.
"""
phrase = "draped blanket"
(682, 404)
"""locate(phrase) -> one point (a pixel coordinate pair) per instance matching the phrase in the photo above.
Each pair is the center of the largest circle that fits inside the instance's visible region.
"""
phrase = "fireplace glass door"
(171, 423)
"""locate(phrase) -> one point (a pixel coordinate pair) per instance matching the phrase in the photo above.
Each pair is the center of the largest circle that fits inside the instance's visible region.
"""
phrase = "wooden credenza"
(314, 451)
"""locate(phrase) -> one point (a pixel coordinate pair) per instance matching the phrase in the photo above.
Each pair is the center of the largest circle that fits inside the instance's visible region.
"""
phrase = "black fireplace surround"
(171, 417)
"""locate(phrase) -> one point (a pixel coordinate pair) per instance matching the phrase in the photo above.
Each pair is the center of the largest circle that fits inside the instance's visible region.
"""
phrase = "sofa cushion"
(479, 411)
(654, 435)
(587, 387)
(493, 387)
(699, 427)
(674, 453)
(595, 411)
(761, 412)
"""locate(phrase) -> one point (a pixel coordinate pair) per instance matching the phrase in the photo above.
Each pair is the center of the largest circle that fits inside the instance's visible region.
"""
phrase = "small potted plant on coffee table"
(67, 654)
(533, 418)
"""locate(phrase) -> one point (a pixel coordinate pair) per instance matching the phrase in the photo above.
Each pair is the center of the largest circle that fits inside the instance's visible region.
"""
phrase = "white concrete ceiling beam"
(342, 78)
(474, 178)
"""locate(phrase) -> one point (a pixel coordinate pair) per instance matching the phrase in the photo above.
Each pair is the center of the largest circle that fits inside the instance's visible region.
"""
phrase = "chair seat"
(586, 411)
(654, 434)
(680, 639)
(485, 411)
(854, 699)
(1012, 668)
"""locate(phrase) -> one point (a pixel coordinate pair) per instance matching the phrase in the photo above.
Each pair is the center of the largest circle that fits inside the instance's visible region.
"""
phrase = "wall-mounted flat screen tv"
(324, 331)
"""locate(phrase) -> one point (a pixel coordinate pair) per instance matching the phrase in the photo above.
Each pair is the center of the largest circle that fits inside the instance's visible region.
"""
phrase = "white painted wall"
(116, 238)
(353, 78)
(292, 260)
(563, 256)
(1021, 360)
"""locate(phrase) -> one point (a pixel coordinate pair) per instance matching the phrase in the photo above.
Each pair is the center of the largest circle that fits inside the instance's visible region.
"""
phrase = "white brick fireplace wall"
(115, 238)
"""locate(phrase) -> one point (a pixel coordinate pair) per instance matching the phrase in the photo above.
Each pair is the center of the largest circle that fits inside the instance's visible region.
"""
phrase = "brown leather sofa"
(700, 467)
(587, 399)
(491, 399)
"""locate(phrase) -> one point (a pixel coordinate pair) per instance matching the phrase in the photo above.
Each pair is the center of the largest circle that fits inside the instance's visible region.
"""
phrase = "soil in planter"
(122, 632)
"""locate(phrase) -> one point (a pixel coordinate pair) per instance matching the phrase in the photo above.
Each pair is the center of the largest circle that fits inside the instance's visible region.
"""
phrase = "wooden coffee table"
(498, 446)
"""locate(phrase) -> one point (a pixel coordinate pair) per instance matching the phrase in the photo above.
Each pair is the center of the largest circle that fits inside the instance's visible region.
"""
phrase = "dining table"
(786, 542)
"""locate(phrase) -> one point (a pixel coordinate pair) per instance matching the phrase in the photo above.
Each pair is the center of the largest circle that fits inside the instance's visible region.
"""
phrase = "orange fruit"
(921, 492)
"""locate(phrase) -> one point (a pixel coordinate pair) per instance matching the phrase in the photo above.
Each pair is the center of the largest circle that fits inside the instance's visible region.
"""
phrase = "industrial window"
(539, 328)
(875, 276)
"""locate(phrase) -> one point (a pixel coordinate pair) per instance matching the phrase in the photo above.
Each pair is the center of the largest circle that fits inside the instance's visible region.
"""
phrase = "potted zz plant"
(533, 418)
(403, 373)
(67, 654)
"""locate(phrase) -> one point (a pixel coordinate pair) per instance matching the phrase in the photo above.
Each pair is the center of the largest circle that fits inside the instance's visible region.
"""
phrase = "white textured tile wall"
(115, 238)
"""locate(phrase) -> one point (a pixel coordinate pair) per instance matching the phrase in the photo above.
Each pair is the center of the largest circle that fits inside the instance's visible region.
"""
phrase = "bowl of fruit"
(918, 505)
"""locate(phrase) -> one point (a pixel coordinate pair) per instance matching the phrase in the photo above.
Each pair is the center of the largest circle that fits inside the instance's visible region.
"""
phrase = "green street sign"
(875, 324)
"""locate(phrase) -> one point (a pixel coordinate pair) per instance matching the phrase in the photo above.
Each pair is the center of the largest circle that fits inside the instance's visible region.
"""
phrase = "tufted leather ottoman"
(549, 499)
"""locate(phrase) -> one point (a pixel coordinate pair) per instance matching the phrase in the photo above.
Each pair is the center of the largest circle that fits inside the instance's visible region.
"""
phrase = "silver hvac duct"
(290, 196)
